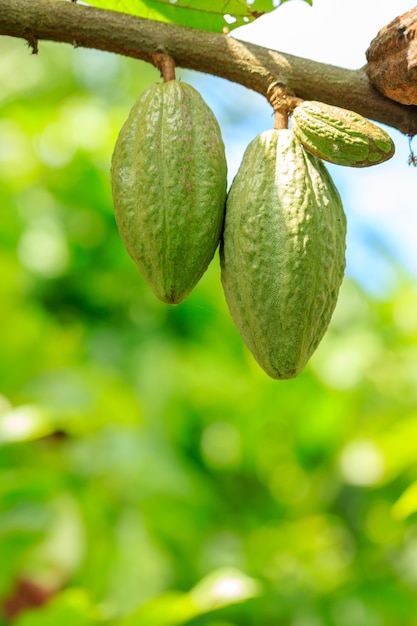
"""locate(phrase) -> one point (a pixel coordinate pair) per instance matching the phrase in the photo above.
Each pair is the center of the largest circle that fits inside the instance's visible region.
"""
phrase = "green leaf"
(221, 588)
(72, 607)
(224, 587)
(24, 423)
(210, 15)
(406, 504)
(168, 609)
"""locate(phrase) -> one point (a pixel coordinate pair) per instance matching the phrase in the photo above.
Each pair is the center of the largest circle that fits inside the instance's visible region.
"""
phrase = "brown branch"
(253, 66)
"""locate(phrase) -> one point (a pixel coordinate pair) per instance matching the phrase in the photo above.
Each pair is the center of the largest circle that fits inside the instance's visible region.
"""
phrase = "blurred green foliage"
(150, 472)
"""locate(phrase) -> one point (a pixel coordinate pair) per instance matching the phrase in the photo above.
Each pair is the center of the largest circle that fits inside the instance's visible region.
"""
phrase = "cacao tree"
(142, 450)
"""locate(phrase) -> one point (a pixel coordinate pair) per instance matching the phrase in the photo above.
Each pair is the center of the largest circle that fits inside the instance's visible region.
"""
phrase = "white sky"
(382, 198)
(332, 31)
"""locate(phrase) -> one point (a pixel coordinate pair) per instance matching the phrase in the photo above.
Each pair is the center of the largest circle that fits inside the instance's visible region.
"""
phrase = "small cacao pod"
(169, 178)
(283, 252)
(392, 59)
(340, 136)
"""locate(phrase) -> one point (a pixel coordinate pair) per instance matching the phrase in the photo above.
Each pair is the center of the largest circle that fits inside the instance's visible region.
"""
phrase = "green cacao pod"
(340, 136)
(283, 252)
(169, 178)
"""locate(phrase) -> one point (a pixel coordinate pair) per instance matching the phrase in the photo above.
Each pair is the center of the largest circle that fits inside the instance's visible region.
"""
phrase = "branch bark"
(253, 66)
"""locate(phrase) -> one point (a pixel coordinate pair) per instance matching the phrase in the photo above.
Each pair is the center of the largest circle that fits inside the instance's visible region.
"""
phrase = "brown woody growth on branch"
(253, 66)
(392, 59)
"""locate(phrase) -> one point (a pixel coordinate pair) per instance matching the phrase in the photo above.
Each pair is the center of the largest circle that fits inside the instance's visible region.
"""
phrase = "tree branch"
(253, 66)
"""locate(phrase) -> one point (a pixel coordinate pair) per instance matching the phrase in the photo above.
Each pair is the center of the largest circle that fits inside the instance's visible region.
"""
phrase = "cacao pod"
(169, 178)
(283, 252)
(340, 136)
(392, 59)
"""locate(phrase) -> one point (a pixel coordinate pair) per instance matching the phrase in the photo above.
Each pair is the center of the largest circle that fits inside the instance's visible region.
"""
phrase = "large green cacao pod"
(283, 252)
(169, 178)
(340, 136)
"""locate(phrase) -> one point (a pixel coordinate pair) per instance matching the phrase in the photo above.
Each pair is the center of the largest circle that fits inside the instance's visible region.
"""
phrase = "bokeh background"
(150, 473)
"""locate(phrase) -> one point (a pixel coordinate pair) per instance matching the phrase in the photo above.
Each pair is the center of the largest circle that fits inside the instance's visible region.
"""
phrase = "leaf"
(24, 423)
(209, 15)
(168, 609)
(71, 607)
(221, 588)
(406, 504)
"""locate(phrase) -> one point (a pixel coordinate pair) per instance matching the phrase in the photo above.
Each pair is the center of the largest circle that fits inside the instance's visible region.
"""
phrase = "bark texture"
(250, 65)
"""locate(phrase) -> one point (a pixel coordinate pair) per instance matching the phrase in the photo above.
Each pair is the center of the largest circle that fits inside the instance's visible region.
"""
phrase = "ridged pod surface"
(169, 178)
(283, 252)
(340, 136)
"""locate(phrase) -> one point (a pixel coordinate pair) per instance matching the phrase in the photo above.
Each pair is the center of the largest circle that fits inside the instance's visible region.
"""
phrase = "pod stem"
(412, 159)
(280, 119)
(165, 64)
(283, 101)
